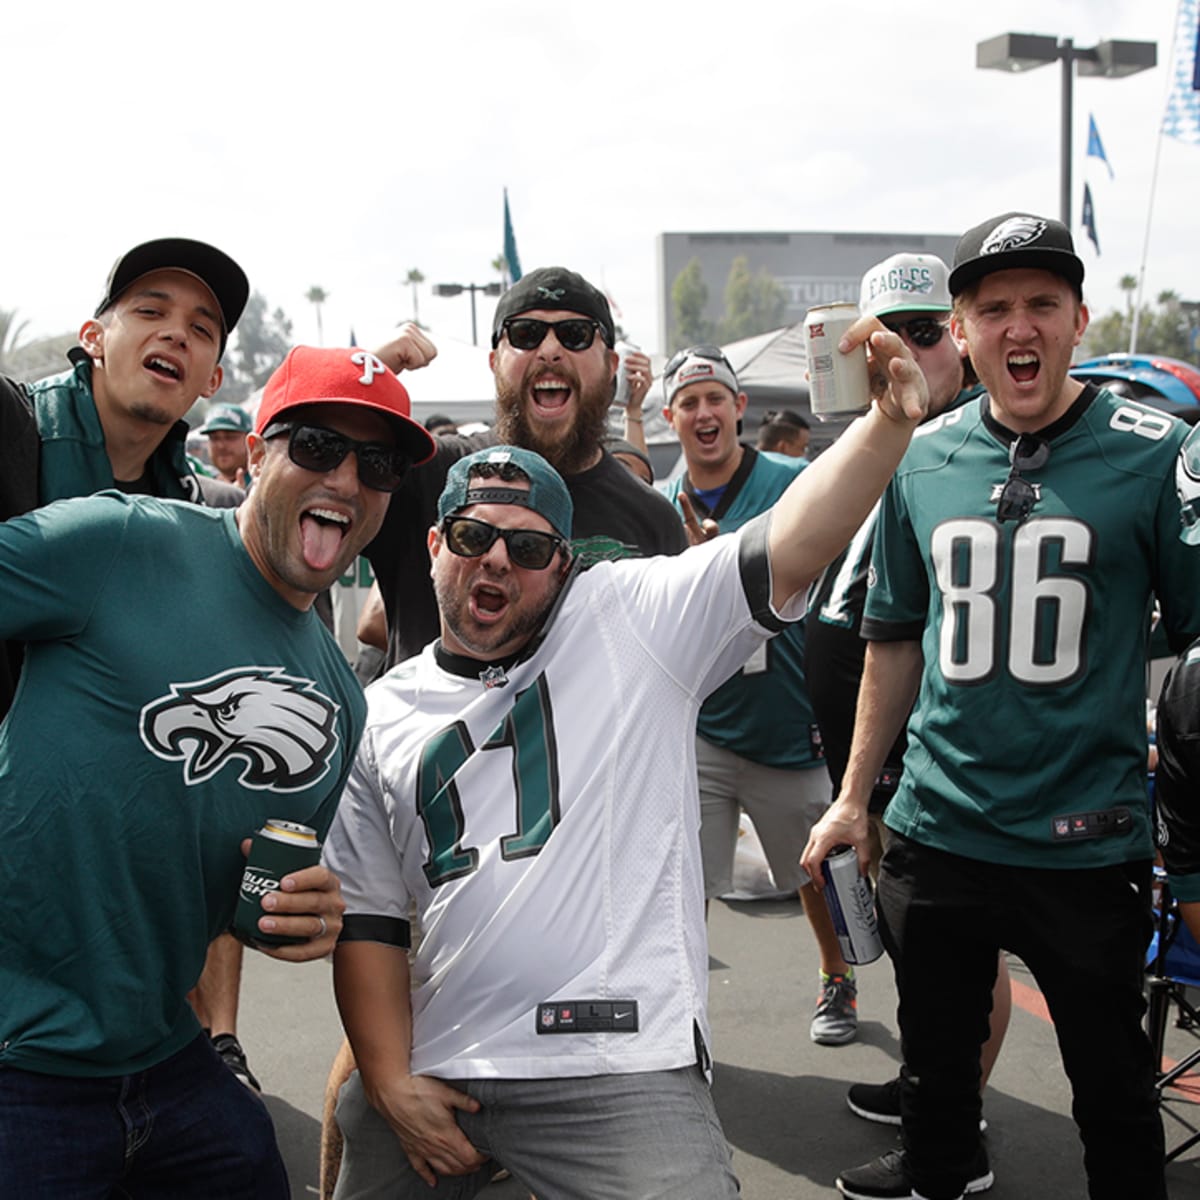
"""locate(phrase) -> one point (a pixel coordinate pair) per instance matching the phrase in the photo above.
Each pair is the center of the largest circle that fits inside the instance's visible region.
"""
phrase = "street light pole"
(457, 289)
(1026, 51)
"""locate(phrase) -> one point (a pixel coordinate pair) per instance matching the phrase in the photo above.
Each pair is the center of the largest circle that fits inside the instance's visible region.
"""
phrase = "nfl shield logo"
(493, 677)
(547, 1016)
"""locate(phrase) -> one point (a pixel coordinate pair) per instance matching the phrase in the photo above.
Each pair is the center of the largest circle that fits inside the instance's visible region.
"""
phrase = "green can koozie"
(278, 849)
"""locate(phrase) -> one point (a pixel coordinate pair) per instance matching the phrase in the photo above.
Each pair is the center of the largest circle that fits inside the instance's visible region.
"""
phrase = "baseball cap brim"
(1059, 262)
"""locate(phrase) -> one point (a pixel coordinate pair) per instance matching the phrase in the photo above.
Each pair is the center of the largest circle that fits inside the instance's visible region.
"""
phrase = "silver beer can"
(838, 383)
(851, 906)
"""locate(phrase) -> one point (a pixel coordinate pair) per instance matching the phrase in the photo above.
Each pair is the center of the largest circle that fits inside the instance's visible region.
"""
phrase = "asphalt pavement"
(781, 1098)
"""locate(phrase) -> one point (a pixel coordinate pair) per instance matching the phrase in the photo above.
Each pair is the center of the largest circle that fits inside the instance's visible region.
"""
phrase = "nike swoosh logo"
(620, 1016)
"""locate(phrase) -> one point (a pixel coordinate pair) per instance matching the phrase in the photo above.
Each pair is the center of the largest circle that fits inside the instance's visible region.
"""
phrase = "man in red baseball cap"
(107, 1081)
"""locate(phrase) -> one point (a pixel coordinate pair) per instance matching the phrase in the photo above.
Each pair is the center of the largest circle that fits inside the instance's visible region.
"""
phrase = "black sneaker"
(887, 1177)
(880, 1102)
(876, 1101)
(234, 1057)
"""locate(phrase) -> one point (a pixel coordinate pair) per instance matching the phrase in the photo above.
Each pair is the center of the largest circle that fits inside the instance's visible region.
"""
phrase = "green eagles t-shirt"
(1034, 634)
(171, 702)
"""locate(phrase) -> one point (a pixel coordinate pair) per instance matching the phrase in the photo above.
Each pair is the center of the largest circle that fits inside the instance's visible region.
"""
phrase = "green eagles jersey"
(171, 702)
(1034, 633)
(763, 712)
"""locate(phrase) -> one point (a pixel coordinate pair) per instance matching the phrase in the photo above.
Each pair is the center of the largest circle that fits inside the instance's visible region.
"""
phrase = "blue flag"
(511, 261)
(1182, 118)
(1095, 147)
(1089, 218)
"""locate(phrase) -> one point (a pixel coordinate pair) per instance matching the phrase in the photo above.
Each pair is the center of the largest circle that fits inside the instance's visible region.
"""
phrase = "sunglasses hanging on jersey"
(1018, 496)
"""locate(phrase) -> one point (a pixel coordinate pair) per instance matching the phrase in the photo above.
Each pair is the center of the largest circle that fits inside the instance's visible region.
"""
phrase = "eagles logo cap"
(1014, 240)
(905, 283)
(214, 268)
(547, 493)
(554, 288)
(226, 417)
(317, 376)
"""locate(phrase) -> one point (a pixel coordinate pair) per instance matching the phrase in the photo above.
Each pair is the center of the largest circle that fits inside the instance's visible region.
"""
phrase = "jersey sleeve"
(361, 852)
(55, 561)
(897, 586)
(701, 614)
(1177, 569)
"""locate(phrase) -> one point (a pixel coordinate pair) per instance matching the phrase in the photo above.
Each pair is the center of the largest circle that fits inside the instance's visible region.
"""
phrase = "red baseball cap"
(313, 376)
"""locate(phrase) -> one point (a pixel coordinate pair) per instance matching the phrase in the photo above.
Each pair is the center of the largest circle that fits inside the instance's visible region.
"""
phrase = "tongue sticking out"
(320, 541)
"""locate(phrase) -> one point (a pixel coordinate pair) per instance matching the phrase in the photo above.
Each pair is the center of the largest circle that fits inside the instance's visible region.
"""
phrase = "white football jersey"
(546, 824)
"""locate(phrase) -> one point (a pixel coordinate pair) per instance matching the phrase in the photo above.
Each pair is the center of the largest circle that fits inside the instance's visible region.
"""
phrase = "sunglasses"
(712, 353)
(922, 332)
(1018, 496)
(315, 448)
(527, 548)
(528, 333)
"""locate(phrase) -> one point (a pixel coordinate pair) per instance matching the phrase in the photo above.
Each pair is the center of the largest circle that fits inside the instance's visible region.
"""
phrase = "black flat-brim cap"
(214, 268)
(1011, 241)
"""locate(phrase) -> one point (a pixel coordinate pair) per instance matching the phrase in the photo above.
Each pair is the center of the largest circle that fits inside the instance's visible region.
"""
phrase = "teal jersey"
(763, 712)
(1034, 634)
(170, 703)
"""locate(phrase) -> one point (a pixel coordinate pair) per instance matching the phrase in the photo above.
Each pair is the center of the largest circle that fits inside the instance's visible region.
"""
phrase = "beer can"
(852, 907)
(838, 383)
(621, 392)
(278, 849)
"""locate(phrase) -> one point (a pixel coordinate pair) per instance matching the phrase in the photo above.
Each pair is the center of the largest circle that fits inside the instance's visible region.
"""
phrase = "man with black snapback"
(555, 368)
(1017, 550)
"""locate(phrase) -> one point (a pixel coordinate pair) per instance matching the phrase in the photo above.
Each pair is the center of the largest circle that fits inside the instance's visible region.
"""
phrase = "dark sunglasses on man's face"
(528, 333)
(922, 332)
(1018, 496)
(315, 448)
(528, 548)
(712, 353)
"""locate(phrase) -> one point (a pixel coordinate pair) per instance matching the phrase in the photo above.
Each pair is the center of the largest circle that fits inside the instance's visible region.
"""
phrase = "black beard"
(568, 455)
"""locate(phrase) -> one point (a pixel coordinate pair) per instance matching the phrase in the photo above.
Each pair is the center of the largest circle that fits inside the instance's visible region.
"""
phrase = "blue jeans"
(186, 1129)
(646, 1136)
(1082, 934)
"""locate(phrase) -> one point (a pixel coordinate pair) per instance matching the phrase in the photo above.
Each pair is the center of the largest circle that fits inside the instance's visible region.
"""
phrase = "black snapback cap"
(1014, 240)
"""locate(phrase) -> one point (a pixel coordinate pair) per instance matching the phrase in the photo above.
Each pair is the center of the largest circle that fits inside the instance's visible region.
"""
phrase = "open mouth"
(551, 394)
(488, 603)
(708, 436)
(1024, 367)
(163, 367)
(322, 531)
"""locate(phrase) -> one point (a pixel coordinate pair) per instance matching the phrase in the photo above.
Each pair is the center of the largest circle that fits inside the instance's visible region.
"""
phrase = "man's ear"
(740, 404)
(91, 338)
(214, 381)
(256, 449)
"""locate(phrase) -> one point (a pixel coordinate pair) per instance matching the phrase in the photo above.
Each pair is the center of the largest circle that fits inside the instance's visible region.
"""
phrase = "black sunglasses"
(528, 333)
(1018, 496)
(712, 353)
(922, 332)
(527, 548)
(315, 448)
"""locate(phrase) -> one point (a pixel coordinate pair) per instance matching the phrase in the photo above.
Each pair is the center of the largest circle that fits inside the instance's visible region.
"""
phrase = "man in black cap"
(152, 348)
(555, 369)
(1017, 550)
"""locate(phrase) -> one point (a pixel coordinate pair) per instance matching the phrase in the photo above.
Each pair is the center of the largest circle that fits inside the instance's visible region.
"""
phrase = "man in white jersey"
(512, 789)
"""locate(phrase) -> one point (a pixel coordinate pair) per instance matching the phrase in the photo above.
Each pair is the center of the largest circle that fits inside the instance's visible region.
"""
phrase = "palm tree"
(10, 332)
(317, 296)
(414, 277)
(1129, 286)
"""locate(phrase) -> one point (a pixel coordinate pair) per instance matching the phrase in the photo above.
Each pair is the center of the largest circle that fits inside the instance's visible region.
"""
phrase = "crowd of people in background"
(580, 678)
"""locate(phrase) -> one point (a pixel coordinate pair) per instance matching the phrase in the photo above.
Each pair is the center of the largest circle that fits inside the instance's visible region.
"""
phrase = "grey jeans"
(648, 1136)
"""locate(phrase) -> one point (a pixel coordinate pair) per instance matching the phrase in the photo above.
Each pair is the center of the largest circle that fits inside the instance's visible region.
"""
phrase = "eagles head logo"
(278, 730)
(1013, 234)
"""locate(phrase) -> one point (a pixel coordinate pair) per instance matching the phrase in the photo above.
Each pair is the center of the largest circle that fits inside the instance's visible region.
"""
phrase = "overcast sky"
(341, 144)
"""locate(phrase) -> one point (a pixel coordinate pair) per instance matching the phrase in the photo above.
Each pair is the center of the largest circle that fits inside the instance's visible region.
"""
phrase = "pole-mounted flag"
(512, 262)
(1095, 147)
(1089, 218)
(1182, 118)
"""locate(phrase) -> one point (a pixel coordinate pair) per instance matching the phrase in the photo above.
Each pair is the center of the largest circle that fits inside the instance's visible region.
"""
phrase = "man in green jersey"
(135, 763)
(1017, 551)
